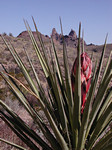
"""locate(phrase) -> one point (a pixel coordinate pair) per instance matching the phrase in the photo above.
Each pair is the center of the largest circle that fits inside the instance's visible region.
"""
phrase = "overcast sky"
(95, 16)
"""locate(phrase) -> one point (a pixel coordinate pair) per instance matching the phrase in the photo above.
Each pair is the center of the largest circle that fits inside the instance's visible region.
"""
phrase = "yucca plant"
(78, 108)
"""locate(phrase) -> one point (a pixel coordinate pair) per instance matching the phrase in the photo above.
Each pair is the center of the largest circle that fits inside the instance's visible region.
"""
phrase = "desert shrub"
(4, 33)
(10, 34)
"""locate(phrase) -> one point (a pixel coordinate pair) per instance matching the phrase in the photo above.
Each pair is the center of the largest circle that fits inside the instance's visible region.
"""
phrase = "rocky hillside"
(22, 41)
(71, 39)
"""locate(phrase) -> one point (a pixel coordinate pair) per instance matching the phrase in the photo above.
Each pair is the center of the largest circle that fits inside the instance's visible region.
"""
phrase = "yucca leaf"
(103, 107)
(32, 67)
(46, 57)
(38, 35)
(108, 61)
(63, 117)
(53, 125)
(33, 114)
(22, 136)
(106, 102)
(108, 147)
(68, 80)
(50, 78)
(69, 97)
(84, 131)
(30, 82)
(105, 77)
(11, 123)
(55, 129)
(93, 87)
(41, 90)
(83, 41)
(22, 67)
(99, 100)
(37, 50)
(59, 75)
(57, 99)
(48, 115)
(94, 72)
(40, 41)
(59, 72)
(12, 81)
(77, 95)
(12, 144)
(94, 115)
(60, 81)
(59, 137)
(54, 86)
(103, 141)
(67, 75)
(101, 124)
(43, 127)
(18, 93)
(25, 128)
(49, 75)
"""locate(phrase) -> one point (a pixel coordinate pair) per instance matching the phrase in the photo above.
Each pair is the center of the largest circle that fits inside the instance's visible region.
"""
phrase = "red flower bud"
(86, 68)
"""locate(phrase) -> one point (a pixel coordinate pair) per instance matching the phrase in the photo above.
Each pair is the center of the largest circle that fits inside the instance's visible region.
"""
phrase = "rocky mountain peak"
(73, 34)
(54, 32)
(55, 35)
(70, 39)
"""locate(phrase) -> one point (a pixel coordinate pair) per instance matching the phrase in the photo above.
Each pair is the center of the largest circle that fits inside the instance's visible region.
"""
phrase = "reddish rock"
(73, 34)
(71, 39)
(55, 35)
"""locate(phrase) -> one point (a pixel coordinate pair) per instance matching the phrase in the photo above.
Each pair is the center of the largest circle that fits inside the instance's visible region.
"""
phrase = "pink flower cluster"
(86, 69)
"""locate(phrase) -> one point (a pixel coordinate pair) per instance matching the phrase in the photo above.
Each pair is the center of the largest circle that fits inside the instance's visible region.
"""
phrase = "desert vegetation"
(71, 109)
